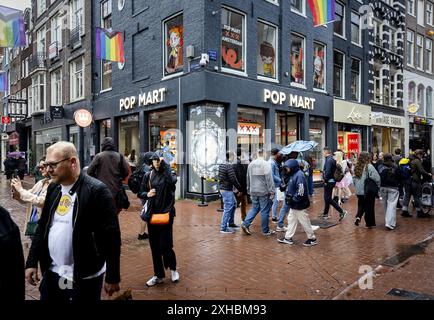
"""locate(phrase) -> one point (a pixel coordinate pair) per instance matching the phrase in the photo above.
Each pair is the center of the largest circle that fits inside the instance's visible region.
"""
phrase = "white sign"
(354, 115)
(144, 99)
(293, 100)
(388, 120)
(349, 112)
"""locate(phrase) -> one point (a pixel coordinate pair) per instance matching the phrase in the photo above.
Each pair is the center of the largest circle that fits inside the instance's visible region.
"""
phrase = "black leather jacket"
(96, 236)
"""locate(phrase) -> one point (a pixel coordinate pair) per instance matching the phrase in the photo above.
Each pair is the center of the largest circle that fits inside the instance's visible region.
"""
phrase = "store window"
(233, 43)
(206, 145)
(319, 66)
(105, 130)
(355, 28)
(339, 23)
(297, 60)
(173, 45)
(317, 133)
(164, 135)
(129, 135)
(419, 137)
(351, 138)
(355, 79)
(74, 136)
(251, 125)
(386, 140)
(339, 74)
(46, 138)
(286, 128)
(267, 48)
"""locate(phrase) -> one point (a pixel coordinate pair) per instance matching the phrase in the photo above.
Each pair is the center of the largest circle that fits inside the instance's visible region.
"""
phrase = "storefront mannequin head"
(326, 151)
(62, 163)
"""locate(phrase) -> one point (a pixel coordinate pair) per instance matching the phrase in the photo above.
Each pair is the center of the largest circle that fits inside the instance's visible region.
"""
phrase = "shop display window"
(267, 44)
(173, 45)
(286, 128)
(232, 41)
(317, 133)
(251, 125)
(129, 135)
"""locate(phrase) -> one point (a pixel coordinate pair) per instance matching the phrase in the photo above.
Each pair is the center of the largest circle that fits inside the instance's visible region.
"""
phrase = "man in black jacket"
(240, 169)
(227, 181)
(329, 184)
(78, 235)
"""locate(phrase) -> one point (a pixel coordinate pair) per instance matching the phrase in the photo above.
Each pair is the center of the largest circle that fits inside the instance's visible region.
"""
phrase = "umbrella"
(299, 146)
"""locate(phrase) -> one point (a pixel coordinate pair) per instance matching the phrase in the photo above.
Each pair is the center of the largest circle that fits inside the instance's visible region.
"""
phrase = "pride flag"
(323, 11)
(109, 45)
(12, 30)
(3, 81)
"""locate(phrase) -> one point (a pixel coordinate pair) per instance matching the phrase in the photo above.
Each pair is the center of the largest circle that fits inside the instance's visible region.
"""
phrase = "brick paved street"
(236, 266)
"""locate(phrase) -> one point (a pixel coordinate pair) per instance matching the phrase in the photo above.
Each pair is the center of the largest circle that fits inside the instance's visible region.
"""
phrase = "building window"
(355, 28)
(38, 92)
(429, 111)
(378, 26)
(319, 66)
(378, 82)
(411, 92)
(77, 80)
(56, 31)
(251, 125)
(276, 2)
(106, 66)
(105, 129)
(339, 24)
(287, 128)
(77, 16)
(429, 13)
(355, 79)
(393, 40)
(40, 7)
(40, 44)
(419, 52)
(129, 134)
(428, 55)
(420, 99)
(410, 7)
(420, 12)
(339, 74)
(410, 47)
(393, 85)
(267, 48)
(298, 6)
(173, 44)
(233, 44)
(56, 88)
(297, 60)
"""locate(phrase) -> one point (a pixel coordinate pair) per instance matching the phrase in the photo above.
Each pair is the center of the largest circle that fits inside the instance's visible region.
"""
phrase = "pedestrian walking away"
(261, 188)
(159, 187)
(78, 239)
(240, 169)
(276, 178)
(366, 200)
(297, 198)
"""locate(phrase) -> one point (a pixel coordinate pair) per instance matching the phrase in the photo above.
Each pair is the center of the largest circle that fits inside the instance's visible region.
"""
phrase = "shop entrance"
(351, 139)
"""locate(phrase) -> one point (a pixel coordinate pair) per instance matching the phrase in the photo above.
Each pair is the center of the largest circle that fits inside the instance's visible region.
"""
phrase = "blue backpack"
(405, 171)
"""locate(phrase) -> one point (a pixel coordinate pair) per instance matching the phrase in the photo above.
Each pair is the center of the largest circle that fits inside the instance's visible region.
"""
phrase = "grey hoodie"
(260, 181)
(360, 182)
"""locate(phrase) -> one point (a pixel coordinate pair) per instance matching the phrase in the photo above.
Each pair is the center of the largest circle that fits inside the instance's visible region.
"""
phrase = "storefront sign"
(83, 118)
(19, 101)
(388, 120)
(248, 128)
(353, 142)
(353, 113)
(6, 120)
(144, 99)
(413, 108)
(292, 100)
(421, 120)
(57, 112)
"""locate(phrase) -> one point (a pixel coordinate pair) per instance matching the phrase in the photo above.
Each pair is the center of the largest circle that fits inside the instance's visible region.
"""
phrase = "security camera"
(204, 59)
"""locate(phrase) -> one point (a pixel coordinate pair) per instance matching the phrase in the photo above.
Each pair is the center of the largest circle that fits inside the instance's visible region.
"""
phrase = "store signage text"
(293, 100)
(144, 99)
(355, 115)
(83, 118)
(387, 120)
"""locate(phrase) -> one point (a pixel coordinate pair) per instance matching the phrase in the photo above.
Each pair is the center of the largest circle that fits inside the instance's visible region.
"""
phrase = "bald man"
(78, 237)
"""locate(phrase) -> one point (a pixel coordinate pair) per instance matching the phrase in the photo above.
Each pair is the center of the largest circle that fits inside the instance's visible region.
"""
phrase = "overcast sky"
(17, 4)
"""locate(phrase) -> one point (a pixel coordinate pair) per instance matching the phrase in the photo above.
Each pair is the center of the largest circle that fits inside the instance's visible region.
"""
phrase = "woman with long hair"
(159, 191)
(366, 203)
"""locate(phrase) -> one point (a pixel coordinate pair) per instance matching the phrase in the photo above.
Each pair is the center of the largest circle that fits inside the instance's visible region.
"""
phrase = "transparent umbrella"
(299, 146)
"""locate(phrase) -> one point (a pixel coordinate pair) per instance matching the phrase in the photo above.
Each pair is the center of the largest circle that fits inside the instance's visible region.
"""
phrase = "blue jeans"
(283, 212)
(274, 207)
(310, 184)
(229, 207)
(263, 205)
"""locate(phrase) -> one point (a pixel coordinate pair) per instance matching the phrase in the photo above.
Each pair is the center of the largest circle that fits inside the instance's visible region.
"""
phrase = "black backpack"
(370, 187)
(135, 180)
(339, 173)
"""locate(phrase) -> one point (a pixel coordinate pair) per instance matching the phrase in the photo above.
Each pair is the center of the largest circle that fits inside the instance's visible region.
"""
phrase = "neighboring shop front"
(388, 132)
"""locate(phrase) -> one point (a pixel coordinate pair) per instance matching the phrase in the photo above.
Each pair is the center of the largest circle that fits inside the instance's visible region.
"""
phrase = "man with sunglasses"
(78, 237)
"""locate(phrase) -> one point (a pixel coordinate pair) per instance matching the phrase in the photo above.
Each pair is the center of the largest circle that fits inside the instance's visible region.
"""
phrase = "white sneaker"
(314, 228)
(175, 275)
(153, 281)
(279, 229)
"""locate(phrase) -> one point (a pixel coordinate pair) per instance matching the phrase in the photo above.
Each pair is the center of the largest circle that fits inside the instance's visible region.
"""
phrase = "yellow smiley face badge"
(64, 205)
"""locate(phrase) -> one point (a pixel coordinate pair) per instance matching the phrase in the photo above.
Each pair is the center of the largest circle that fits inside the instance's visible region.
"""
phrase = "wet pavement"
(236, 266)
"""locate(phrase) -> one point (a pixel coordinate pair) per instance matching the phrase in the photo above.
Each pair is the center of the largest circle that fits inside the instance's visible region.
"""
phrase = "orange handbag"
(160, 218)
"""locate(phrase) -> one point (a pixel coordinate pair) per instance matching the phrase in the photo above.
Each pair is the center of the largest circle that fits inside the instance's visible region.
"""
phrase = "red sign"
(6, 120)
(340, 140)
(353, 142)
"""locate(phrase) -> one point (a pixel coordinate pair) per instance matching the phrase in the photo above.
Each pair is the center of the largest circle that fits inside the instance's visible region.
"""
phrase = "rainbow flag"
(323, 11)
(12, 30)
(3, 81)
(109, 45)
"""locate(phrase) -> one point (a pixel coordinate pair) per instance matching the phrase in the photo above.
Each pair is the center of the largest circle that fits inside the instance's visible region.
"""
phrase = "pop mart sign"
(143, 99)
(292, 100)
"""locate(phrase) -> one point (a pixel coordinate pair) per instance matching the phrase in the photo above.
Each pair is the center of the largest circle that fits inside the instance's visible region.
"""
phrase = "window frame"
(343, 73)
(360, 29)
(228, 70)
(41, 7)
(411, 63)
(73, 17)
(303, 12)
(164, 46)
(56, 92)
(73, 76)
(41, 35)
(380, 79)
(344, 31)
(56, 29)
(276, 71)
(36, 93)
(325, 66)
(419, 36)
(359, 82)
(427, 22)
(412, 13)
(429, 57)
(295, 84)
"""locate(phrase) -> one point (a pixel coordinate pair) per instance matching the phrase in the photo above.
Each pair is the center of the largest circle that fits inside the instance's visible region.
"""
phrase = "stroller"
(427, 197)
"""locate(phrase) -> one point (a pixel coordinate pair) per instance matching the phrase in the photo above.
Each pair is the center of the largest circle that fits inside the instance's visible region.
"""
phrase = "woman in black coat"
(159, 189)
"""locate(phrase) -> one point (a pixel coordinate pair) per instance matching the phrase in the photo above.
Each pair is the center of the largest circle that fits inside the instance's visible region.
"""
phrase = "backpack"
(135, 180)
(339, 173)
